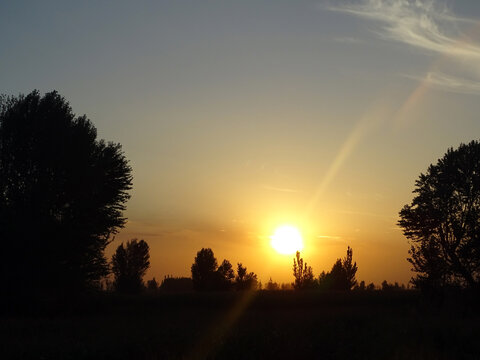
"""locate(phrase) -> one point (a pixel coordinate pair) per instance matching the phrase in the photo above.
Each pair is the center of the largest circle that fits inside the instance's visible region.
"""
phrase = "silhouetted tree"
(303, 274)
(443, 220)
(286, 286)
(336, 279)
(385, 285)
(176, 284)
(152, 285)
(129, 265)
(204, 268)
(62, 195)
(225, 276)
(361, 286)
(392, 287)
(342, 275)
(350, 269)
(245, 280)
(272, 286)
(207, 276)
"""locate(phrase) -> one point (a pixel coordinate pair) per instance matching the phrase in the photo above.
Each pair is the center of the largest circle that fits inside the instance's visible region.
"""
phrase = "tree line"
(63, 193)
(340, 277)
(130, 262)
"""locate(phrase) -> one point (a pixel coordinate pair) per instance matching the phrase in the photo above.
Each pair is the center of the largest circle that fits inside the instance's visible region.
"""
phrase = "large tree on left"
(62, 195)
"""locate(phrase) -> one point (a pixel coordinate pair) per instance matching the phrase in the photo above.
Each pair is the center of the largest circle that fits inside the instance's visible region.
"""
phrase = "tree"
(203, 270)
(371, 287)
(350, 269)
(225, 276)
(271, 285)
(245, 280)
(129, 265)
(442, 223)
(207, 276)
(62, 195)
(176, 284)
(392, 287)
(303, 274)
(361, 286)
(342, 275)
(152, 285)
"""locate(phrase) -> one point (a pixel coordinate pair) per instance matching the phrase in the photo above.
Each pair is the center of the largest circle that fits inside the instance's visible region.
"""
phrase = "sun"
(287, 240)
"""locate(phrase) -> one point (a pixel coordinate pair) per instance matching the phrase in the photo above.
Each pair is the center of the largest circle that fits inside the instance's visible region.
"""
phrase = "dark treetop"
(443, 220)
(62, 195)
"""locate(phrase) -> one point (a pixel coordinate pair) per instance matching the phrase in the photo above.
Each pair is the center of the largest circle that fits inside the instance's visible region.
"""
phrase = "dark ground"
(259, 325)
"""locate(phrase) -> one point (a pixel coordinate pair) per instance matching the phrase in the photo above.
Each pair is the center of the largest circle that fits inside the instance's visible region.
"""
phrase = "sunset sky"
(240, 116)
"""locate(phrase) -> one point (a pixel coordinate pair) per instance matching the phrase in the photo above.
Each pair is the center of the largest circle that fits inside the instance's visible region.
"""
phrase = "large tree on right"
(443, 220)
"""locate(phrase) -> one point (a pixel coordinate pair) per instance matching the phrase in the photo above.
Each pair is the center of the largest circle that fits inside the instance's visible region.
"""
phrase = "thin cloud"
(327, 240)
(329, 237)
(450, 83)
(429, 26)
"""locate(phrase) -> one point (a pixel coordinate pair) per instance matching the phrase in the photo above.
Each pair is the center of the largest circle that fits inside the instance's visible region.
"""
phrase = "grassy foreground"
(275, 325)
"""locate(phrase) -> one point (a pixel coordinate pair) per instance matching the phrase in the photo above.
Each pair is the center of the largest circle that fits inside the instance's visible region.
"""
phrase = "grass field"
(257, 325)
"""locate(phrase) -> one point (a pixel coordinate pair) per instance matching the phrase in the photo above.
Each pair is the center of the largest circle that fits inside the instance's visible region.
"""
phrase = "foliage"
(152, 285)
(302, 273)
(350, 269)
(129, 265)
(176, 284)
(286, 286)
(361, 286)
(342, 275)
(245, 280)
(272, 286)
(392, 287)
(225, 276)
(370, 287)
(207, 276)
(443, 221)
(62, 195)
(204, 270)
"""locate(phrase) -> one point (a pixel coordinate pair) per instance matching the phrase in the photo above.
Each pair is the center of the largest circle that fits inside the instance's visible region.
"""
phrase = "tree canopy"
(62, 194)
(204, 270)
(342, 275)
(207, 276)
(245, 280)
(443, 221)
(129, 265)
(302, 273)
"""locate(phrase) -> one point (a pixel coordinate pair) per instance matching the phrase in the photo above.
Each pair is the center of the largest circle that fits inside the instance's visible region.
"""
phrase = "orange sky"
(238, 117)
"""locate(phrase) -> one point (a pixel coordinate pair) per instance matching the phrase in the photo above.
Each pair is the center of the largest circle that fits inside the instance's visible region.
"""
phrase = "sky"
(240, 116)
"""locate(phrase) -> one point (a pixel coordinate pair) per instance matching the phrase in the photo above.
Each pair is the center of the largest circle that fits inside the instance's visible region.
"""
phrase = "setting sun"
(287, 240)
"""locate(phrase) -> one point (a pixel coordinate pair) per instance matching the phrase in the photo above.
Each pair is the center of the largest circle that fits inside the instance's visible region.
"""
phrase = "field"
(274, 325)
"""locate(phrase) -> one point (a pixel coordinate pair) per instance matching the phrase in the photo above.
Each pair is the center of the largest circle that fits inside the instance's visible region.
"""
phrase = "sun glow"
(287, 240)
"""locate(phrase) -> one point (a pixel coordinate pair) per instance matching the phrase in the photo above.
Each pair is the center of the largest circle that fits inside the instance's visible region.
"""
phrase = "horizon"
(238, 118)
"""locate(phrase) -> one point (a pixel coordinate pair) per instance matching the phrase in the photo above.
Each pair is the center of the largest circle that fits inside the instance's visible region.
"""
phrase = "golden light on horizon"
(287, 240)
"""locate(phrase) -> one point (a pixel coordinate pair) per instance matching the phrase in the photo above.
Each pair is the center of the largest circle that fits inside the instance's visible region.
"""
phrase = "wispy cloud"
(329, 237)
(450, 83)
(429, 26)
(328, 240)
